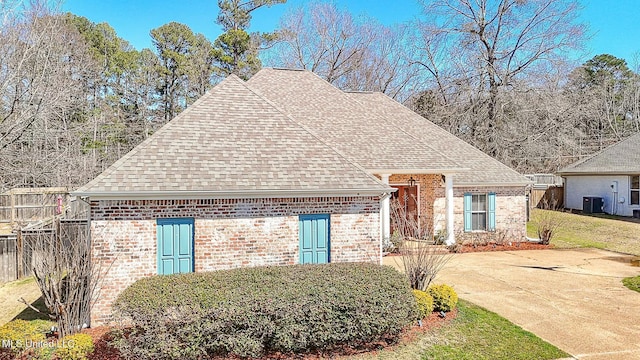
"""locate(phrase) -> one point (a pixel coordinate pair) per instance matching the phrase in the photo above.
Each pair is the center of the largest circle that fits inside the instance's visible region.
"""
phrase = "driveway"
(573, 299)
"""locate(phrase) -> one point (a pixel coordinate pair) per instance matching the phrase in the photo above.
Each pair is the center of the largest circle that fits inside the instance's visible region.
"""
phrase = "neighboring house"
(612, 174)
(284, 169)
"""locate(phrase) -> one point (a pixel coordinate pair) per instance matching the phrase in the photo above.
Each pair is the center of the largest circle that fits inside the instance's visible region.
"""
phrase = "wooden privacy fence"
(19, 253)
(32, 204)
(551, 197)
(8, 258)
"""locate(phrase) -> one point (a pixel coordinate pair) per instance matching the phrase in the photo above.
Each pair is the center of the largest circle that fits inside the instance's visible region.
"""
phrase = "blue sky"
(613, 24)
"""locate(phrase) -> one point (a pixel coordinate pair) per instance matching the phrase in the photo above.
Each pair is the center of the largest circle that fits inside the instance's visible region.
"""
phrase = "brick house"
(285, 169)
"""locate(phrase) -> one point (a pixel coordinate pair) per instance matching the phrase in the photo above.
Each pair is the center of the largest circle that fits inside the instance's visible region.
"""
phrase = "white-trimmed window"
(635, 190)
(479, 212)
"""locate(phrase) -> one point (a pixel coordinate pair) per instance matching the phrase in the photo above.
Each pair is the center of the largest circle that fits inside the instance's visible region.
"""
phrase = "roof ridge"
(168, 125)
(470, 146)
(305, 128)
(383, 118)
(599, 152)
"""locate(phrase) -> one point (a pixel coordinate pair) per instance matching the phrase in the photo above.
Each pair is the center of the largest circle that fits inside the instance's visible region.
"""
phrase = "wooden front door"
(405, 203)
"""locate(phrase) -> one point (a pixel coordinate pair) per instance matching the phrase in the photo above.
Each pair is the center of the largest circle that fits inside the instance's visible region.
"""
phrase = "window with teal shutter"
(491, 214)
(479, 212)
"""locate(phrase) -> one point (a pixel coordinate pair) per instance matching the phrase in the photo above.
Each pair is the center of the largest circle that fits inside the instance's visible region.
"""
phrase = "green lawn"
(602, 232)
(475, 334)
(632, 283)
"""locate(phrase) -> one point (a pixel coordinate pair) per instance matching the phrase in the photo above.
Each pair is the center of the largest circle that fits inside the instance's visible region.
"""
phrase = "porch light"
(412, 182)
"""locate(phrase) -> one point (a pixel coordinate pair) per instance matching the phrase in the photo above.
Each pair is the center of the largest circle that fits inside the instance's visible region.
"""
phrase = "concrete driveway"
(573, 299)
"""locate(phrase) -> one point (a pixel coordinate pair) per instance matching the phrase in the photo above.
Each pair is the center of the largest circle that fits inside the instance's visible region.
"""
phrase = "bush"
(444, 297)
(424, 302)
(74, 347)
(21, 334)
(251, 311)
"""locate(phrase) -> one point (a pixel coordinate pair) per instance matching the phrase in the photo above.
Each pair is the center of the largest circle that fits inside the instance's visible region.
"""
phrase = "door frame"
(302, 217)
(175, 221)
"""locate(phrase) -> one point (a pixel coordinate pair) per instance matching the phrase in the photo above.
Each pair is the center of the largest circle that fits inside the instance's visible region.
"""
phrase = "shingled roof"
(483, 169)
(622, 158)
(351, 127)
(232, 143)
(379, 133)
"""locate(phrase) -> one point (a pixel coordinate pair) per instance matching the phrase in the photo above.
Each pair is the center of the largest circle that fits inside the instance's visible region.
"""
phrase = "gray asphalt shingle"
(349, 126)
(620, 158)
(378, 132)
(231, 140)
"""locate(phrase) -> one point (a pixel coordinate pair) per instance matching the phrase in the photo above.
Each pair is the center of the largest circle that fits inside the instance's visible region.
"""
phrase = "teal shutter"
(467, 212)
(175, 246)
(314, 239)
(491, 212)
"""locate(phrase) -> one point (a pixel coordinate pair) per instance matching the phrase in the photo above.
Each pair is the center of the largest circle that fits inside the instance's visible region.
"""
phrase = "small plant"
(20, 333)
(444, 297)
(424, 302)
(547, 222)
(74, 347)
(632, 283)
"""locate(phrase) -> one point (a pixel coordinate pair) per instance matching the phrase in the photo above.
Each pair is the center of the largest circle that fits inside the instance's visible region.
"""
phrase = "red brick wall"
(430, 188)
(229, 233)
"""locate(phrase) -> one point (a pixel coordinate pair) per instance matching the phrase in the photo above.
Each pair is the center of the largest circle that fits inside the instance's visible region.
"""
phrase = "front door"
(314, 239)
(404, 217)
(175, 246)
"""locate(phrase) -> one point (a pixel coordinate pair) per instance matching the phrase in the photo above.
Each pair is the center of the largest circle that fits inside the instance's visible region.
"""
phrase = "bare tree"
(42, 90)
(68, 279)
(421, 256)
(351, 53)
(489, 46)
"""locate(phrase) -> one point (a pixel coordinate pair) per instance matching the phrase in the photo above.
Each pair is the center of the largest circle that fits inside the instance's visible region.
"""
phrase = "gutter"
(233, 194)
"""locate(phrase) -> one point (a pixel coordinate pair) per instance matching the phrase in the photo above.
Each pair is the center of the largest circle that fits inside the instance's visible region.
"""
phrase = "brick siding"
(229, 233)
(510, 214)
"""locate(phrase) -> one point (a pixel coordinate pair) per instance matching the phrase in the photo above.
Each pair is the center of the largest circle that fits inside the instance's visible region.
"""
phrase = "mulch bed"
(503, 247)
(104, 351)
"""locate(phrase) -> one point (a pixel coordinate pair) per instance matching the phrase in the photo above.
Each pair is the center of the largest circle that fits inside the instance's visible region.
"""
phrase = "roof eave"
(448, 171)
(596, 173)
(234, 194)
(492, 184)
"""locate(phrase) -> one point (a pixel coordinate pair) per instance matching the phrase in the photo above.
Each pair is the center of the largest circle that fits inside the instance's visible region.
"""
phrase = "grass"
(476, 333)
(632, 283)
(12, 308)
(602, 232)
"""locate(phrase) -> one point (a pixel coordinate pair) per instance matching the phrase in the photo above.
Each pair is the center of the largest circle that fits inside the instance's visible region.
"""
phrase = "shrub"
(250, 311)
(21, 333)
(74, 347)
(444, 297)
(424, 302)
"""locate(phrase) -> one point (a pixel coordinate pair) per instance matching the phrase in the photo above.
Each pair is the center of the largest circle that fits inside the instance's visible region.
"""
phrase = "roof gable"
(620, 158)
(483, 169)
(232, 141)
(378, 132)
(349, 126)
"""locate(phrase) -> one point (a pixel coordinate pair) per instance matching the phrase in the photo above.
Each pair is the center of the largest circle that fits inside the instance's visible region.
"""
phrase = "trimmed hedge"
(251, 311)
(444, 297)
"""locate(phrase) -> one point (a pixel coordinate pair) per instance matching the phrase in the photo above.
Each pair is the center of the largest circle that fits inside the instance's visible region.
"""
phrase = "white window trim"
(631, 190)
(486, 212)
